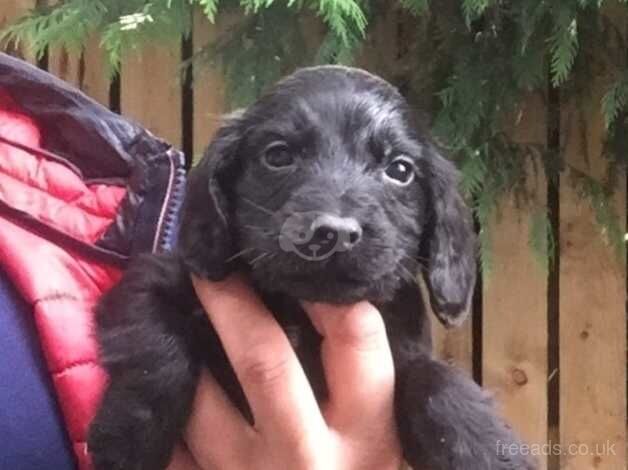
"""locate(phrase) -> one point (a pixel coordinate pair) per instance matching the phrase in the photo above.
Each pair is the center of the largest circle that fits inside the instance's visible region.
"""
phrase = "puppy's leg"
(146, 333)
(447, 422)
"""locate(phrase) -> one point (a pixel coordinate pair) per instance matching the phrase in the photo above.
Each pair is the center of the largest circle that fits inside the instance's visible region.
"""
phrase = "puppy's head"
(325, 190)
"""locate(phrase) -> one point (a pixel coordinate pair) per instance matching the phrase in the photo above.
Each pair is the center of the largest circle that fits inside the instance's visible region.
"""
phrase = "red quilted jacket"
(81, 190)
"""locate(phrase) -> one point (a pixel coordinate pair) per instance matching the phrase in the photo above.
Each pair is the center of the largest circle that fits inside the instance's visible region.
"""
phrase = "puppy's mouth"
(337, 290)
(325, 281)
(340, 280)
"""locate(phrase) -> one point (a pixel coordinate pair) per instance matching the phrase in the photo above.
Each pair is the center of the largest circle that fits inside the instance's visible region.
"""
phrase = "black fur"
(339, 129)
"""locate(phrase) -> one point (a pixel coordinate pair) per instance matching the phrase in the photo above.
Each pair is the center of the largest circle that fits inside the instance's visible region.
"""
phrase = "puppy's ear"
(205, 242)
(449, 244)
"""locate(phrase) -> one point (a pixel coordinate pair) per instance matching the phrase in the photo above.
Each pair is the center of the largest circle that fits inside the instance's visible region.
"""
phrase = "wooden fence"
(551, 346)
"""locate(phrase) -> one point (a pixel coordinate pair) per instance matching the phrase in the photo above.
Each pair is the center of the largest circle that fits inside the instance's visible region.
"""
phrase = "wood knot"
(519, 377)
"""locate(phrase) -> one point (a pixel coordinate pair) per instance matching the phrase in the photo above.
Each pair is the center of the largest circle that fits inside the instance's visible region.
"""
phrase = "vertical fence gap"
(553, 278)
(114, 93)
(82, 67)
(187, 101)
(477, 317)
(42, 62)
(626, 265)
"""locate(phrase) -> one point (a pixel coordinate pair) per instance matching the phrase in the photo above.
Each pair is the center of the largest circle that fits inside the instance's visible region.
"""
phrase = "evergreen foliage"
(470, 63)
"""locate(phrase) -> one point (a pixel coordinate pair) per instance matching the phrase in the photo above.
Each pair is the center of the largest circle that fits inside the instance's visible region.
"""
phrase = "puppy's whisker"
(270, 257)
(239, 253)
(267, 234)
(258, 259)
(260, 230)
(257, 206)
(407, 274)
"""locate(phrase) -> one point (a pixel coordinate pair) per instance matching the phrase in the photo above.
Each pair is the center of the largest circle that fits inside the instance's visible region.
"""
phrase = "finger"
(274, 383)
(217, 435)
(357, 361)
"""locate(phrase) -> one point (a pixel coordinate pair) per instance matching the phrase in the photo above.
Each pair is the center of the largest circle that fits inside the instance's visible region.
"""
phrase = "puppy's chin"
(327, 287)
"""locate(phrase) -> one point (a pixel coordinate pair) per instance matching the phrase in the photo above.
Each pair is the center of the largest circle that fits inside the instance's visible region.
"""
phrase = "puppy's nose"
(347, 229)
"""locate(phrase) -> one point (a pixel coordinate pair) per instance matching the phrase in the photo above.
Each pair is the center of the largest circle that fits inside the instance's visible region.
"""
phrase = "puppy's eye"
(400, 172)
(278, 155)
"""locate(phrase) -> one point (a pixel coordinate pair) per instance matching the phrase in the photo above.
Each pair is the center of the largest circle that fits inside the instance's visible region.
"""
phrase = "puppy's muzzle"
(347, 229)
(317, 235)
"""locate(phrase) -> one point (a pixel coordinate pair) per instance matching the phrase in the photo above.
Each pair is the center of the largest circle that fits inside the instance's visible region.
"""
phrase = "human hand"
(354, 430)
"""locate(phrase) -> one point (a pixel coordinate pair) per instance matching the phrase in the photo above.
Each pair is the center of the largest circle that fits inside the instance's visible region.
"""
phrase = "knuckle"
(263, 369)
(361, 327)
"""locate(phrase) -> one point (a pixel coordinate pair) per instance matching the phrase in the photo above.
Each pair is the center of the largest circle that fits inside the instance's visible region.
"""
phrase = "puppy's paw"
(447, 422)
(129, 439)
(111, 448)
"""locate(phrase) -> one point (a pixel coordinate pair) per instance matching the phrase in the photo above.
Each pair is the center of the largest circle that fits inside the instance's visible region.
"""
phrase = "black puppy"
(323, 190)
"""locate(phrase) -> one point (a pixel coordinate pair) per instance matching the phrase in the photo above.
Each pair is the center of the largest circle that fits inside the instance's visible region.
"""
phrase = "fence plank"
(9, 12)
(151, 90)
(209, 87)
(86, 71)
(83, 69)
(514, 350)
(65, 65)
(96, 79)
(592, 306)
